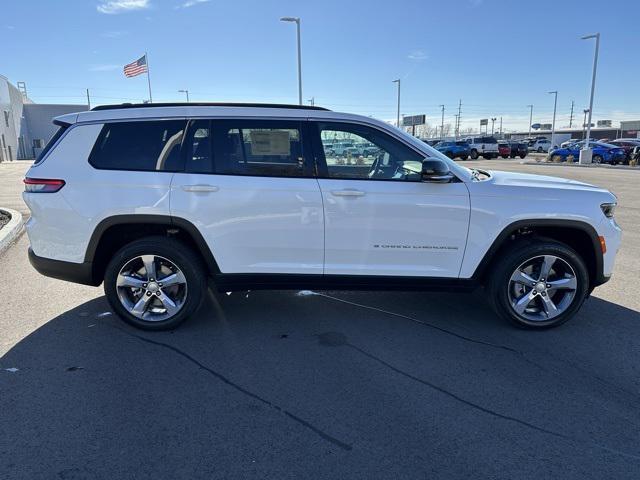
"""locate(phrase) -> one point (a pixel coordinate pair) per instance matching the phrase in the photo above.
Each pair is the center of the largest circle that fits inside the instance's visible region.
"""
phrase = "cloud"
(192, 3)
(418, 55)
(104, 67)
(111, 7)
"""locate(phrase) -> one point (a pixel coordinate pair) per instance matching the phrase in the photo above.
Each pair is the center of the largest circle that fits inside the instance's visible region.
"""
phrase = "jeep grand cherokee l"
(154, 200)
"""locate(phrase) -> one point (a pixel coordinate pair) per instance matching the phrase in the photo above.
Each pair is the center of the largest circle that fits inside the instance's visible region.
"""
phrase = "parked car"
(628, 144)
(504, 149)
(601, 153)
(518, 149)
(568, 142)
(158, 201)
(341, 148)
(487, 147)
(540, 145)
(459, 149)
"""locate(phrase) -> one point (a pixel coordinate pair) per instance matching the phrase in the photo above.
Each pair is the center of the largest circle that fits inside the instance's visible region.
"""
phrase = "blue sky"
(495, 55)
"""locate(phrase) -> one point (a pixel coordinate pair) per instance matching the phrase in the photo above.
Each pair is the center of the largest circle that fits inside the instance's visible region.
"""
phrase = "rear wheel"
(597, 159)
(464, 157)
(155, 283)
(540, 150)
(523, 155)
(539, 284)
(556, 158)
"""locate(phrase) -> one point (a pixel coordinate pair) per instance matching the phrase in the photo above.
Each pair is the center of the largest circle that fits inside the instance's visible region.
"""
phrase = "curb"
(12, 230)
(577, 165)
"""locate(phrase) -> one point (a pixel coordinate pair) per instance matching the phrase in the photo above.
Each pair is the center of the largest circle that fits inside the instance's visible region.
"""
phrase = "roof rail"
(205, 104)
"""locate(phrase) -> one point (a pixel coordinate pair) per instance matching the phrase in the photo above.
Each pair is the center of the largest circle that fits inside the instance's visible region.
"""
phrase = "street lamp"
(584, 123)
(442, 121)
(586, 150)
(553, 124)
(185, 92)
(530, 118)
(296, 20)
(493, 121)
(398, 113)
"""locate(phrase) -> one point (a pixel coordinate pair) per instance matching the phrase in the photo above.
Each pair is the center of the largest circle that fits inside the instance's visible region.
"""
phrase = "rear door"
(380, 218)
(248, 186)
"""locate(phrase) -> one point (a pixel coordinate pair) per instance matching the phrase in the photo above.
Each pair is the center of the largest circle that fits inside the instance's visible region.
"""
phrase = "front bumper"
(68, 271)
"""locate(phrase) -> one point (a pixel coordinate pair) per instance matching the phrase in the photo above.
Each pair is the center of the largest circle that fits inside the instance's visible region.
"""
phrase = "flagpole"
(146, 57)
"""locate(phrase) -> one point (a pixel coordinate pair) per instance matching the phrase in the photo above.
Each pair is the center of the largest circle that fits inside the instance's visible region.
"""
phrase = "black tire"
(505, 156)
(474, 155)
(523, 155)
(449, 154)
(512, 156)
(540, 150)
(515, 256)
(486, 157)
(172, 250)
(464, 157)
(597, 159)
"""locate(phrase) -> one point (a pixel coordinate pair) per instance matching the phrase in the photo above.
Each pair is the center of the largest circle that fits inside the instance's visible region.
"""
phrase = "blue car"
(602, 153)
(459, 149)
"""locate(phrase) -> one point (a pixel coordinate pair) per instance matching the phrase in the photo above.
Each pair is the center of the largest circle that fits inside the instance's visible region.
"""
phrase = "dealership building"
(25, 126)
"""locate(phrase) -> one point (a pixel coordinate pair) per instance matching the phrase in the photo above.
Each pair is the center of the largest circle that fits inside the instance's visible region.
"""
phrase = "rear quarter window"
(54, 139)
(139, 146)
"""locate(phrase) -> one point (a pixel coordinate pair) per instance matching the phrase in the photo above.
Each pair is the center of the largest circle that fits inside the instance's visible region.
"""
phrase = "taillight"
(42, 185)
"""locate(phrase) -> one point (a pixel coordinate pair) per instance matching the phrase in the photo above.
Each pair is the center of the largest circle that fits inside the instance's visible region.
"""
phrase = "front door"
(249, 189)
(380, 218)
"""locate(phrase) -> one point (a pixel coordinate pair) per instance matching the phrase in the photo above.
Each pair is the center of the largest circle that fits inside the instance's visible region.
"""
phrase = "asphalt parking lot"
(322, 384)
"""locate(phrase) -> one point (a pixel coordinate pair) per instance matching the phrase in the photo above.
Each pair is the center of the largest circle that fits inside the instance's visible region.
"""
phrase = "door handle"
(200, 188)
(347, 192)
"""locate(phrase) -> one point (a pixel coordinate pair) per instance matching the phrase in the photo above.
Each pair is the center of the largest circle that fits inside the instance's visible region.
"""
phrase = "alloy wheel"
(542, 288)
(151, 288)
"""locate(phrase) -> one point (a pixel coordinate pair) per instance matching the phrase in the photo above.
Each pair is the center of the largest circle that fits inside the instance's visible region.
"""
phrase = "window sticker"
(270, 142)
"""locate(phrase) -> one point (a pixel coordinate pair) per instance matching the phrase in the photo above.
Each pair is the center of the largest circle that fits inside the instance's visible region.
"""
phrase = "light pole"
(296, 20)
(530, 118)
(584, 123)
(586, 150)
(186, 92)
(493, 121)
(398, 113)
(442, 121)
(553, 123)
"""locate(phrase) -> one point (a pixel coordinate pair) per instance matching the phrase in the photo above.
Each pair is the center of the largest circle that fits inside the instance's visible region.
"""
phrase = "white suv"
(487, 147)
(154, 200)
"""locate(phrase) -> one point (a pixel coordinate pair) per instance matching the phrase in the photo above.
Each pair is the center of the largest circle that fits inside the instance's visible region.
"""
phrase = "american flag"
(136, 68)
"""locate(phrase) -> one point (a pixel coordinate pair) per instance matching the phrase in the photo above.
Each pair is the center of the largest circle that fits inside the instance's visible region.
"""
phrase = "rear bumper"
(68, 271)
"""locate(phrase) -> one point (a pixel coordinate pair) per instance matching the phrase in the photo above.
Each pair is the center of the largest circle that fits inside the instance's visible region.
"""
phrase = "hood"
(510, 179)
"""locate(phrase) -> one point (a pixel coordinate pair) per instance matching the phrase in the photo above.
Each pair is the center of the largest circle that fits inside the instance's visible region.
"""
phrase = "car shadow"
(324, 384)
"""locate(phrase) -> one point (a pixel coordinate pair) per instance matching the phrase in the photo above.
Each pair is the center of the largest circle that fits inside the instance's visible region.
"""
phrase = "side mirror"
(435, 171)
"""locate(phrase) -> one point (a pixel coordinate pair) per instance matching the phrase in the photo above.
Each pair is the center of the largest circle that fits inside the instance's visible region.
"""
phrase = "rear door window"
(271, 148)
(139, 146)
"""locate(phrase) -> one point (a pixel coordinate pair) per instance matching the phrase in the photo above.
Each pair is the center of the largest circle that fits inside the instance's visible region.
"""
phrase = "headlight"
(608, 209)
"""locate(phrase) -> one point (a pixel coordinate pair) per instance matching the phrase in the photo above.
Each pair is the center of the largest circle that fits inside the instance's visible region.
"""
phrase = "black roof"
(206, 104)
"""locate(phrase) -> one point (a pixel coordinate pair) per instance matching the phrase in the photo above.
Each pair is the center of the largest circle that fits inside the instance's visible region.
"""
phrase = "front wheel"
(505, 156)
(155, 283)
(474, 155)
(597, 159)
(539, 283)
